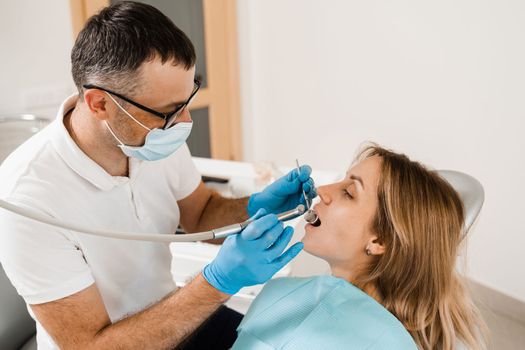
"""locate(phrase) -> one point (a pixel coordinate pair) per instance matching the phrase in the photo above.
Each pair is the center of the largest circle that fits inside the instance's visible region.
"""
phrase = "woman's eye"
(347, 194)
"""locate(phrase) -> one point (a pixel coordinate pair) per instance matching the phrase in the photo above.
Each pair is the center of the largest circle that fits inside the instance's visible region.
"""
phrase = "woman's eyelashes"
(347, 191)
(347, 194)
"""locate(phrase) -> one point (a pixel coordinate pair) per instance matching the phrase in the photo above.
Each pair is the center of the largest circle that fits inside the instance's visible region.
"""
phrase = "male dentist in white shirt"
(116, 158)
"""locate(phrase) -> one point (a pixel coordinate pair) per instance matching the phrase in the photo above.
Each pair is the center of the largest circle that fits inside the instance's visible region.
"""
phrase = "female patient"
(390, 232)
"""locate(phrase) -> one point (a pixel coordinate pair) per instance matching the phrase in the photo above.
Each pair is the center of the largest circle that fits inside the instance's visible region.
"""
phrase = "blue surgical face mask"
(159, 143)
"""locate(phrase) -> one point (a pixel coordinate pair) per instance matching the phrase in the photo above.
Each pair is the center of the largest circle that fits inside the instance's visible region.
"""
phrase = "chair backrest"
(470, 191)
(16, 326)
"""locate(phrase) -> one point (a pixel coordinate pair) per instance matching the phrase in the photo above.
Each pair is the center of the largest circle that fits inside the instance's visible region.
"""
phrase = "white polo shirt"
(50, 174)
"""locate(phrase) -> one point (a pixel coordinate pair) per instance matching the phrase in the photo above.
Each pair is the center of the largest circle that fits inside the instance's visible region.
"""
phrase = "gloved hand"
(252, 256)
(285, 193)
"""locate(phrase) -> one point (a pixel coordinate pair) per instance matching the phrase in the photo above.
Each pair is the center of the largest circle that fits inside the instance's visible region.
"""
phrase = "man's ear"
(375, 246)
(97, 103)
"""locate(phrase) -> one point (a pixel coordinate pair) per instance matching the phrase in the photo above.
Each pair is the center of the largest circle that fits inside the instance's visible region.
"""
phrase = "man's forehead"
(166, 81)
(158, 72)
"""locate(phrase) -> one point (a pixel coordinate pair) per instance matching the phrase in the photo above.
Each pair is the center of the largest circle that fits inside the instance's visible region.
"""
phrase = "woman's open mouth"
(312, 218)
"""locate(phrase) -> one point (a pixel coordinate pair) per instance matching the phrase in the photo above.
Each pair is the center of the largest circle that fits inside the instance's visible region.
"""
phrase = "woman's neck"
(372, 290)
(352, 277)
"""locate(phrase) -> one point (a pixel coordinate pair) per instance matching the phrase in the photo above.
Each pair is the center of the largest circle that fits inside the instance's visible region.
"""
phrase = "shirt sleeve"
(41, 261)
(187, 174)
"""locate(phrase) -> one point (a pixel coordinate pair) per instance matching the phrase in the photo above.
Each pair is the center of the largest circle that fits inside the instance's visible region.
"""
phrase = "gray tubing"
(152, 237)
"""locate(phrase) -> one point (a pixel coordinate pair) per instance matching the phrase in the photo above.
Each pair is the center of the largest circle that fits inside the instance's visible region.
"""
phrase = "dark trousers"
(217, 332)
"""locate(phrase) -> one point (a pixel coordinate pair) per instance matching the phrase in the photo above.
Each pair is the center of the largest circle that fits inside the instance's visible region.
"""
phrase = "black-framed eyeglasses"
(169, 118)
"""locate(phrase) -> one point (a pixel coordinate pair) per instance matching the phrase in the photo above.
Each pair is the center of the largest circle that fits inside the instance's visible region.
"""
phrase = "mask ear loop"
(112, 133)
(127, 113)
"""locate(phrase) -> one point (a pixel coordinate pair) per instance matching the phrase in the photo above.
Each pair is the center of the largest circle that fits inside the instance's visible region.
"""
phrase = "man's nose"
(185, 116)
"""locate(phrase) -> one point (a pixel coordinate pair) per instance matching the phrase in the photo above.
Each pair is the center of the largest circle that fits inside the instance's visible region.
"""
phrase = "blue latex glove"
(285, 193)
(252, 256)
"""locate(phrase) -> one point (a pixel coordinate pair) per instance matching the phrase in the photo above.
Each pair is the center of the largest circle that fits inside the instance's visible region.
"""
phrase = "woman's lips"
(313, 218)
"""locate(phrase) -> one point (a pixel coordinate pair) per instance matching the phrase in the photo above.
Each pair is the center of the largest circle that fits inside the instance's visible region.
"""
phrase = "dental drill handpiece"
(237, 228)
(310, 216)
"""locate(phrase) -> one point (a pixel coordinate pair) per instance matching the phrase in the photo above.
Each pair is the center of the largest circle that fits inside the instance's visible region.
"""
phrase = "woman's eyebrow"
(355, 177)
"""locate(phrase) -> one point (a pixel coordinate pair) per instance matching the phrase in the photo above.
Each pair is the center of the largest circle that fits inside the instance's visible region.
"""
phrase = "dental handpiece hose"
(152, 237)
(236, 228)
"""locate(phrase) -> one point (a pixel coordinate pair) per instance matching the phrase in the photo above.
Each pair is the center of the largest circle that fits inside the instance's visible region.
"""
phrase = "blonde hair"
(420, 221)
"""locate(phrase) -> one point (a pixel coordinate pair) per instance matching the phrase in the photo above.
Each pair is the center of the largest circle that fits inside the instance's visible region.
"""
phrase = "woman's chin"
(315, 241)
(309, 239)
(311, 247)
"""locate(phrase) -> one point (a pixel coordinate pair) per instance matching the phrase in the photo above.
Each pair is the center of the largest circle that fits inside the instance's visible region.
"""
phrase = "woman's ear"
(375, 246)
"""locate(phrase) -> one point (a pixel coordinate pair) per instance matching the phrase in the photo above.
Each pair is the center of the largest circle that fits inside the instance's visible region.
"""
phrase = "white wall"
(35, 42)
(443, 81)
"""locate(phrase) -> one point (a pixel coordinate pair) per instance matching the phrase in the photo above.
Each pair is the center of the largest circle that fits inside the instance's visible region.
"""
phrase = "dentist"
(116, 157)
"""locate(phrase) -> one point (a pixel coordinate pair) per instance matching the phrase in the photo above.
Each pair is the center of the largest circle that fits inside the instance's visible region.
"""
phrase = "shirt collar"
(75, 158)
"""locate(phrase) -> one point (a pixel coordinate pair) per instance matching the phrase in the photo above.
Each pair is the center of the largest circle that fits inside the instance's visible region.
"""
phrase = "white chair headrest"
(470, 191)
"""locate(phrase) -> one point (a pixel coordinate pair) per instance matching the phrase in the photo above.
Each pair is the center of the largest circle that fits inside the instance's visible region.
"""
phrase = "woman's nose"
(324, 194)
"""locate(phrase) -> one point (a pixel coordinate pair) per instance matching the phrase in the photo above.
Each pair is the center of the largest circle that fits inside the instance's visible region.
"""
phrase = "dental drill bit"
(310, 216)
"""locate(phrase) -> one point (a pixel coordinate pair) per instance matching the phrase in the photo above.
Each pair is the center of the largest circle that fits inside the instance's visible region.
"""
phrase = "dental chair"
(470, 191)
(472, 195)
(17, 328)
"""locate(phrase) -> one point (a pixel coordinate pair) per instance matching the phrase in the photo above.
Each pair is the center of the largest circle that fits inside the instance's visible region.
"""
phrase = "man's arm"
(205, 209)
(80, 321)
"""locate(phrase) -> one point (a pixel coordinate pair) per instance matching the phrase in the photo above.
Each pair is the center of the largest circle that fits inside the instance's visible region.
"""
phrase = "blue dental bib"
(322, 312)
